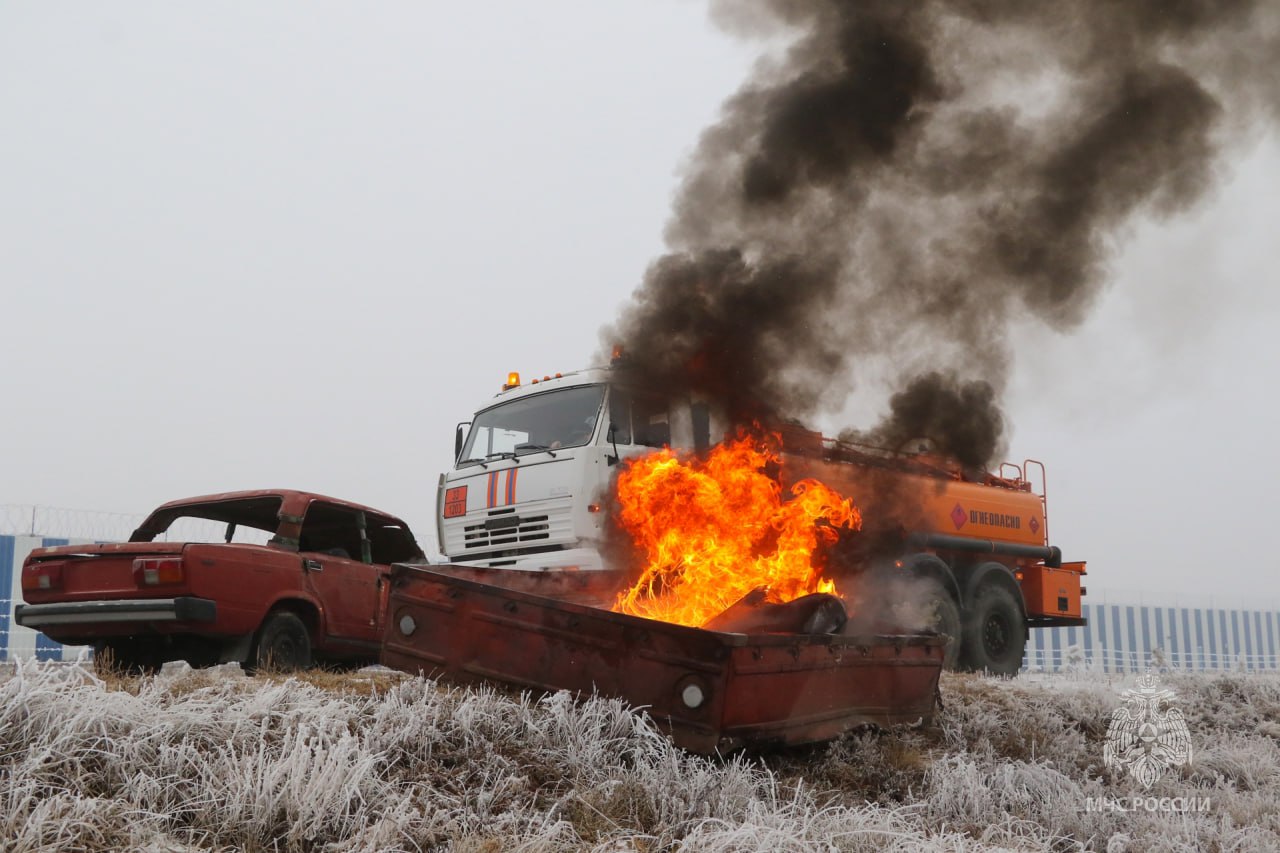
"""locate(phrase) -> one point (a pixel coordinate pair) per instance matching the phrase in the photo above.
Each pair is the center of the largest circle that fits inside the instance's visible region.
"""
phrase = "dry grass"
(374, 760)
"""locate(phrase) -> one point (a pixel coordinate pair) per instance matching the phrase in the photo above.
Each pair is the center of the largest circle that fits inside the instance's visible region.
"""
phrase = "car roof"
(284, 494)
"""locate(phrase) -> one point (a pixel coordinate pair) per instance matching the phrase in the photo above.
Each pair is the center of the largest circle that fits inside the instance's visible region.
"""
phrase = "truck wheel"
(995, 633)
(283, 644)
(946, 620)
(942, 612)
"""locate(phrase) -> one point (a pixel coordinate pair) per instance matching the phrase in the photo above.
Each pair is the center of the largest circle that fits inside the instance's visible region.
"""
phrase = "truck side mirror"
(458, 436)
(613, 439)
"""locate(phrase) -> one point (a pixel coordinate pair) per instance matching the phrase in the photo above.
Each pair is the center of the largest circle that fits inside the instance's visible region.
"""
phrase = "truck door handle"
(313, 565)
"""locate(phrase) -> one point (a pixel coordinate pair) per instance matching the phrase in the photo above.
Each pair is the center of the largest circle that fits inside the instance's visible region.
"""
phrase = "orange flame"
(712, 531)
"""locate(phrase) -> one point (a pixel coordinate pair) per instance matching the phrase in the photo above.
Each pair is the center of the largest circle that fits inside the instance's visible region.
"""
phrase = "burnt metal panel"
(756, 690)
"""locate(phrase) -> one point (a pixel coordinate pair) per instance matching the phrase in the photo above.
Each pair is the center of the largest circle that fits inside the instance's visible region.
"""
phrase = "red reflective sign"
(455, 502)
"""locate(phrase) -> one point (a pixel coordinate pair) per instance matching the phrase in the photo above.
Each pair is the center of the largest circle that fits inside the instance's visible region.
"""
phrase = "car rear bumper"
(181, 609)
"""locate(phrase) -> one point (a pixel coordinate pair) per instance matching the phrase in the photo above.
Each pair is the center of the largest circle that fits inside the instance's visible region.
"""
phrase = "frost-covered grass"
(216, 761)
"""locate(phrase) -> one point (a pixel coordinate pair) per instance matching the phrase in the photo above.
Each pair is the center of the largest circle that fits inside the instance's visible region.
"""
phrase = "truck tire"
(946, 620)
(933, 588)
(995, 632)
(283, 644)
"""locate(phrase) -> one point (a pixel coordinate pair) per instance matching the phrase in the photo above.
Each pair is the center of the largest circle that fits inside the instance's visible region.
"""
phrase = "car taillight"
(153, 571)
(38, 578)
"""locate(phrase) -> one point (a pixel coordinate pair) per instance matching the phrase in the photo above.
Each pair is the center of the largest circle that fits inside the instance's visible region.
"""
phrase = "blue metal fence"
(16, 641)
(1129, 638)
(8, 591)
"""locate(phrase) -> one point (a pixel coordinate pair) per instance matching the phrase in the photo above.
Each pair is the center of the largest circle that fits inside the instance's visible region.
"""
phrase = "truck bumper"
(182, 609)
(571, 560)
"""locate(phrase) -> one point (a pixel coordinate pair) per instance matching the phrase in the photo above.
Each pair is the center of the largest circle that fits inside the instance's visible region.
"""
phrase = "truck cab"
(533, 468)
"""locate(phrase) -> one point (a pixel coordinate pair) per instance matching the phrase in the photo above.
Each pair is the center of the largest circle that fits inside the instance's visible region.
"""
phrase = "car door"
(336, 567)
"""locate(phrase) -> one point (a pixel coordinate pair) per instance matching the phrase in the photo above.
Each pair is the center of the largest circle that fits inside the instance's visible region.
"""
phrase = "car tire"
(282, 644)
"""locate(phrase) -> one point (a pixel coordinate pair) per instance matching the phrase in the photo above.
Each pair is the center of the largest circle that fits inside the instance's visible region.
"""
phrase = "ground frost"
(213, 760)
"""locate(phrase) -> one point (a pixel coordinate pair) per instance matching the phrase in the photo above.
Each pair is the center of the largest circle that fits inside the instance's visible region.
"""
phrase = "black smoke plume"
(962, 417)
(911, 177)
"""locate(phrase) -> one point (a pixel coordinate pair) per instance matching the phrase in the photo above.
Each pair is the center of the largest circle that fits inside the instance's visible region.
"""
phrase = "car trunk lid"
(91, 572)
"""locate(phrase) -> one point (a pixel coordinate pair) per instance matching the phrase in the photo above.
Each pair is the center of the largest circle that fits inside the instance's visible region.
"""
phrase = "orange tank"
(923, 494)
(926, 503)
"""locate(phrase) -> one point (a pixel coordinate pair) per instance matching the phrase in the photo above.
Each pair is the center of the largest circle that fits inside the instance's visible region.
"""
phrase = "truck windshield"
(549, 421)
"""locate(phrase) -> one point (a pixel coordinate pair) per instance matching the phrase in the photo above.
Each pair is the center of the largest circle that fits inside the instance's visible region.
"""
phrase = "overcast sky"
(277, 244)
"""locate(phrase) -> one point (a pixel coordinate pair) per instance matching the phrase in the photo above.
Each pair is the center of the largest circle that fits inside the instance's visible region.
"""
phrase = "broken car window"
(249, 520)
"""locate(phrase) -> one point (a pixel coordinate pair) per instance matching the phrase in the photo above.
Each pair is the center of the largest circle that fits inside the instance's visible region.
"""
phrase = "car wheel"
(283, 644)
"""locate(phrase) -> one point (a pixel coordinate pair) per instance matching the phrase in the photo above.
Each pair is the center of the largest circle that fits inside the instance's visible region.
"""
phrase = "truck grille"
(504, 528)
(511, 530)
